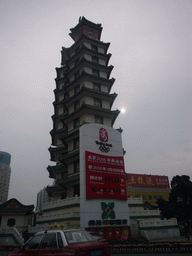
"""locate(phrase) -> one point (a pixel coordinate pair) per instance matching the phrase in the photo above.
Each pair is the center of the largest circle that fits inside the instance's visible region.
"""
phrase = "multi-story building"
(5, 173)
(82, 96)
(148, 187)
(42, 198)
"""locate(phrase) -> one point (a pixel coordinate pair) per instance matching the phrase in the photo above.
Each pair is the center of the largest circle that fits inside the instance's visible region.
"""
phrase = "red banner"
(143, 180)
(105, 176)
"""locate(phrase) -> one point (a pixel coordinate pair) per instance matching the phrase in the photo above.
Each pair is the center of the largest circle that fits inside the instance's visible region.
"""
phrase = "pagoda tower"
(82, 96)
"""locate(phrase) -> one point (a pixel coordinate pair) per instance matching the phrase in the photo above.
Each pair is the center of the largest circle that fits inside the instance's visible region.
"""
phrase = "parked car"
(63, 243)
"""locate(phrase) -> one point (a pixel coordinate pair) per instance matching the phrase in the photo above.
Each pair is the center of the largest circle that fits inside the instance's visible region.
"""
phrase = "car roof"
(57, 230)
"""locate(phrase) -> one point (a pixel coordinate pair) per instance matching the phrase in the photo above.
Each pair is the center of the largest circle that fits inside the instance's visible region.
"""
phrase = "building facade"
(15, 219)
(5, 174)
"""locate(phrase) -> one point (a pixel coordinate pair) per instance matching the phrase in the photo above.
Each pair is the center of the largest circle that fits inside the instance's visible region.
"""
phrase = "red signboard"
(109, 233)
(105, 176)
(143, 180)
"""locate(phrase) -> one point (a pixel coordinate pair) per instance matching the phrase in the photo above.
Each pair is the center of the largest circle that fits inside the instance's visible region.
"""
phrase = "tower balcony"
(67, 179)
(86, 66)
(94, 110)
(92, 93)
(83, 50)
(84, 76)
(61, 116)
(55, 169)
(56, 152)
(69, 157)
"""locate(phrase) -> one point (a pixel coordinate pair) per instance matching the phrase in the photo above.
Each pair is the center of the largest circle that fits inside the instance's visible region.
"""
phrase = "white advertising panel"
(103, 196)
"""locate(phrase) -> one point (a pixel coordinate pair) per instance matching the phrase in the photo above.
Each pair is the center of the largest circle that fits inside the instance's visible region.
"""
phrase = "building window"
(77, 61)
(77, 49)
(96, 87)
(76, 89)
(95, 59)
(76, 190)
(76, 143)
(99, 119)
(95, 72)
(63, 195)
(11, 222)
(76, 105)
(94, 47)
(76, 75)
(76, 166)
(97, 102)
(66, 96)
(76, 123)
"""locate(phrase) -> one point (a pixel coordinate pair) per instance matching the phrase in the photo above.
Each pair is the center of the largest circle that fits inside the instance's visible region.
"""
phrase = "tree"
(181, 197)
(180, 200)
(166, 208)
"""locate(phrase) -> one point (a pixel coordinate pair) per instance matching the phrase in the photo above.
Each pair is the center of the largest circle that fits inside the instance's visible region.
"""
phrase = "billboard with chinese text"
(105, 176)
(144, 180)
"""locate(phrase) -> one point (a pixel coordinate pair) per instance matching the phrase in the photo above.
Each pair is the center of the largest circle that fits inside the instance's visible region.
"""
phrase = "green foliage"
(180, 200)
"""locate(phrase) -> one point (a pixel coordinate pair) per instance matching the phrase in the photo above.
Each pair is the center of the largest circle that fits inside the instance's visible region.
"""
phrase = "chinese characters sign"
(150, 197)
(105, 176)
(142, 180)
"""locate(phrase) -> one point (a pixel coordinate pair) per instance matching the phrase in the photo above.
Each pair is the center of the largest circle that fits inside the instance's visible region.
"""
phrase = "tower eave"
(83, 22)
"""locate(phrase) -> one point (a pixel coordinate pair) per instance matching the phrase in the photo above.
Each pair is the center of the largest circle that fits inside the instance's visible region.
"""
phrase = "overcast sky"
(151, 47)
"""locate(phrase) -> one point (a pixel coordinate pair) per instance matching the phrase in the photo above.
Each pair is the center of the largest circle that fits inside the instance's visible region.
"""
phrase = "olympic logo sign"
(104, 149)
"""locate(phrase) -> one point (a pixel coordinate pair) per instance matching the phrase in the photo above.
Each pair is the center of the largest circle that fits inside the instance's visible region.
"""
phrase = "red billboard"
(144, 180)
(105, 176)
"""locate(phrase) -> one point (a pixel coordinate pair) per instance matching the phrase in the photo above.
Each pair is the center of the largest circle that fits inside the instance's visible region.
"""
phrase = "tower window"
(76, 105)
(66, 96)
(76, 143)
(76, 88)
(95, 72)
(76, 123)
(95, 59)
(99, 119)
(97, 102)
(76, 74)
(96, 86)
(94, 47)
(77, 49)
(76, 166)
(77, 61)
(76, 190)
(63, 195)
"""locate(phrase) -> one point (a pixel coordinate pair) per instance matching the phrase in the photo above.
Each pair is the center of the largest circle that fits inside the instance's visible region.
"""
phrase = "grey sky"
(152, 57)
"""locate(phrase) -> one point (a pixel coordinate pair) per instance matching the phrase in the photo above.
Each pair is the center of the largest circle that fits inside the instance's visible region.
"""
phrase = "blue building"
(5, 173)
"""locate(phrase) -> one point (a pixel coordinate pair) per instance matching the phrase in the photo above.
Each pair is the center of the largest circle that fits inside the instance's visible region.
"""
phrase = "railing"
(144, 213)
(51, 217)
(133, 200)
(157, 223)
(59, 203)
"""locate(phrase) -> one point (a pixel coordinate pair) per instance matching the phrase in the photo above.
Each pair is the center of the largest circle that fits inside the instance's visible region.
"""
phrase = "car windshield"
(78, 236)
